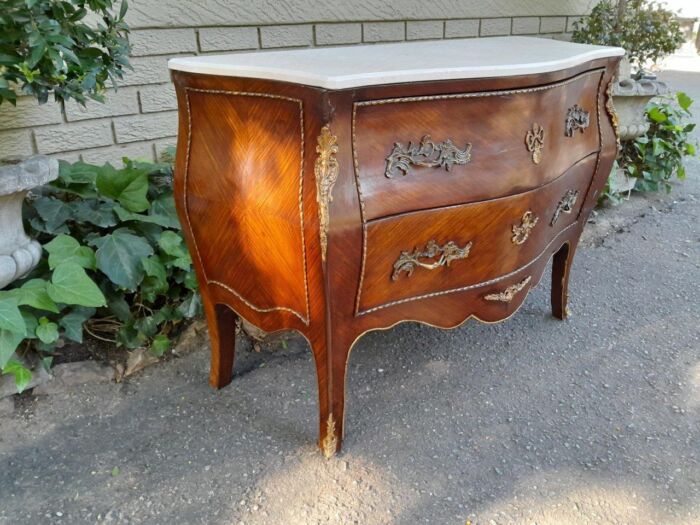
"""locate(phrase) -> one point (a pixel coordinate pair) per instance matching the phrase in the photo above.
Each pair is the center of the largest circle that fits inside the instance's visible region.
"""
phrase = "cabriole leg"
(561, 265)
(222, 333)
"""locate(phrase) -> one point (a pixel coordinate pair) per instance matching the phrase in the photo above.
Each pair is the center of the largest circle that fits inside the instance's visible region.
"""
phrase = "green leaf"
(33, 293)
(172, 244)
(53, 211)
(164, 207)
(47, 331)
(191, 306)
(10, 316)
(72, 322)
(125, 215)
(656, 115)
(115, 472)
(71, 285)
(161, 344)
(22, 375)
(684, 100)
(64, 248)
(95, 212)
(128, 186)
(9, 341)
(119, 257)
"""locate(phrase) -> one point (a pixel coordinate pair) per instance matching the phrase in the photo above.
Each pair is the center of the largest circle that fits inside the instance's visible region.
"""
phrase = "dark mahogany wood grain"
(494, 123)
(246, 195)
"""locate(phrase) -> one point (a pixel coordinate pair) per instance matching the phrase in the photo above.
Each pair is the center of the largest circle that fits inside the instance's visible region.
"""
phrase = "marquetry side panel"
(243, 196)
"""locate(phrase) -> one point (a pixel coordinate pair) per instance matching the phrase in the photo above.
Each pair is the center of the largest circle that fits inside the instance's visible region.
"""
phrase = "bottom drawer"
(415, 254)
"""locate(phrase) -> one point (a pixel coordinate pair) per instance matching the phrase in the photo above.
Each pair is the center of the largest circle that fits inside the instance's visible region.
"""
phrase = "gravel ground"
(595, 420)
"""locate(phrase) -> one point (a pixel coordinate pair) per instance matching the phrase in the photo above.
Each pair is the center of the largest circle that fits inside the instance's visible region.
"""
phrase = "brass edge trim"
(600, 146)
(326, 170)
(305, 320)
(356, 164)
(610, 109)
(479, 94)
(330, 442)
(471, 286)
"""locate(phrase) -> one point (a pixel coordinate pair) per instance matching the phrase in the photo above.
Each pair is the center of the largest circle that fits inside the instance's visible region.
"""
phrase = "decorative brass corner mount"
(577, 118)
(566, 205)
(426, 154)
(330, 442)
(610, 109)
(522, 231)
(509, 293)
(449, 252)
(326, 170)
(534, 140)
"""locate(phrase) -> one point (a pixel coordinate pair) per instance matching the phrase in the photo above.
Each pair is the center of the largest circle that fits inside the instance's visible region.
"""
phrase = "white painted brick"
(145, 127)
(528, 25)
(329, 34)
(564, 37)
(115, 154)
(159, 97)
(147, 70)
(68, 156)
(15, 142)
(287, 36)
(228, 38)
(552, 24)
(29, 112)
(206, 13)
(162, 145)
(123, 101)
(495, 26)
(571, 21)
(461, 28)
(384, 31)
(162, 41)
(74, 136)
(424, 30)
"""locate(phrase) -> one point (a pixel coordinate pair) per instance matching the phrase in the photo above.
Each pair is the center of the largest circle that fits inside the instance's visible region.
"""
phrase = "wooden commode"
(334, 191)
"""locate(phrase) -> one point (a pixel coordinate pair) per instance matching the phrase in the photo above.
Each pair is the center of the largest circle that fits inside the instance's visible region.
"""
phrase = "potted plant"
(48, 48)
(648, 32)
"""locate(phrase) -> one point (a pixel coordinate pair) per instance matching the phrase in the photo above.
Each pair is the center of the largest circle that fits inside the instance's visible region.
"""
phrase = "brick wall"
(139, 120)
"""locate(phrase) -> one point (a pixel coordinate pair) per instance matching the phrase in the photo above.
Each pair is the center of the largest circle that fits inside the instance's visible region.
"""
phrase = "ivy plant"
(656, 157)
(115, 265)
(644, 28)
(70, 48)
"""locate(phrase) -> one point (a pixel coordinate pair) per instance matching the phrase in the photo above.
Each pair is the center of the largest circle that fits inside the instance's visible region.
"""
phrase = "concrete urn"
(18, 253)
(630, 98)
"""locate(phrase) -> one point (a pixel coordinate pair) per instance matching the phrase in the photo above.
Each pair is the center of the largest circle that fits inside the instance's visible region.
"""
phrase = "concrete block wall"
(139, 120)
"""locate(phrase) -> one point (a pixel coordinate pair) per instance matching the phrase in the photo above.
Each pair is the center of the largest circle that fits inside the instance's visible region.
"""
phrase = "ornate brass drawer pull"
(577, 118)
(522, 232)
(534, 140)
(449, 252)
(426, 154)
(509, 293)
(566, 205)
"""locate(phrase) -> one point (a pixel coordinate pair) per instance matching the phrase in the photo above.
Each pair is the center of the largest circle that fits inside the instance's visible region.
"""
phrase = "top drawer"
(480, 145)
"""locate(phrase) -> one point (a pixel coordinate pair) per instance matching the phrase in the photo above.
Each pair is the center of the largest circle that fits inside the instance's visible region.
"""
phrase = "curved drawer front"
(442, 250)
(423, 152)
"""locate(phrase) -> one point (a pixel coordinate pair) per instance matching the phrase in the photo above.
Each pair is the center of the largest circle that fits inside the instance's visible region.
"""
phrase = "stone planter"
(18, 253)
(630, 97)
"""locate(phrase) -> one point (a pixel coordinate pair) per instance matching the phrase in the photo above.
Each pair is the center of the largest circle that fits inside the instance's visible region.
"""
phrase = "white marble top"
(368, 65)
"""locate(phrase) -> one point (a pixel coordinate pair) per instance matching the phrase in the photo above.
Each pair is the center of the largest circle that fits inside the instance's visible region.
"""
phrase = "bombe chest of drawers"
(336, 191)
